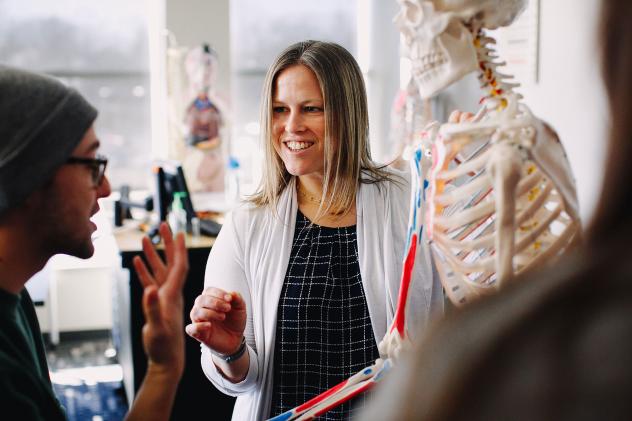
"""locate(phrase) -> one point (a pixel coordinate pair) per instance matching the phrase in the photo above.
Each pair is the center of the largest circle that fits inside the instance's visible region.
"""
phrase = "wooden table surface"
(128, 238)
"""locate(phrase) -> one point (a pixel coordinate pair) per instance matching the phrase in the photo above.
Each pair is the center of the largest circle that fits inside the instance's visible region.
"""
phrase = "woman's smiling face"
(298, 121)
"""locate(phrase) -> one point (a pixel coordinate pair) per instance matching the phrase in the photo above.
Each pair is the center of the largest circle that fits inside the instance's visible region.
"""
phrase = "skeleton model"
(501, 196)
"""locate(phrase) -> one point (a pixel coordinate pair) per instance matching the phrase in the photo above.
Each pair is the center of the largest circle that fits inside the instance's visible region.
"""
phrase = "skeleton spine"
(492, 81)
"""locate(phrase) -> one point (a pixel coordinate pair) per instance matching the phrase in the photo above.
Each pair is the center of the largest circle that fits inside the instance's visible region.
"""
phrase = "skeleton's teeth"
(297, 146)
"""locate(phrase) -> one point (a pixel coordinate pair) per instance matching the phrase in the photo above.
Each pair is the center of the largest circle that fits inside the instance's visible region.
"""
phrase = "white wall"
(569, 94)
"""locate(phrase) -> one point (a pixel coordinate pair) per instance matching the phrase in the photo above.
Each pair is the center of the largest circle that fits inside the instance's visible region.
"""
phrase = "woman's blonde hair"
(347, 155)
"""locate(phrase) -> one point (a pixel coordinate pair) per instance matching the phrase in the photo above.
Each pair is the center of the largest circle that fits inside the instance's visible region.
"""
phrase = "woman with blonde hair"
(303, 279)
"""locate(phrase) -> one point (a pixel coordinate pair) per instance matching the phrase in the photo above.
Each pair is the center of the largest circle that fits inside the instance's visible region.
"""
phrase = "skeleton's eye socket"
(413, 13)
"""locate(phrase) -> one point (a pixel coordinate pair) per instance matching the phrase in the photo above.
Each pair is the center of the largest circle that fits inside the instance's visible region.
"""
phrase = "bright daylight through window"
(101, 51)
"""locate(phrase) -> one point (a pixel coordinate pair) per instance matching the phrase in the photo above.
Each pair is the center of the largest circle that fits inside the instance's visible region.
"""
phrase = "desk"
(195, 393)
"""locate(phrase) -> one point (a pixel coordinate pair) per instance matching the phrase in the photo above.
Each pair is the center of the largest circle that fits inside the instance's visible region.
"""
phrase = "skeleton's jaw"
(432, 81)
(436, 70)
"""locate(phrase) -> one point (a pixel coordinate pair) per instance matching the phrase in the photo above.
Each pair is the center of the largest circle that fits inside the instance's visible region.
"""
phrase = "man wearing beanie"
(50, 180)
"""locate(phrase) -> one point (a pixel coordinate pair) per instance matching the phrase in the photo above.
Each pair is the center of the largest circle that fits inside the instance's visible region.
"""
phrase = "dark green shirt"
(26, 392)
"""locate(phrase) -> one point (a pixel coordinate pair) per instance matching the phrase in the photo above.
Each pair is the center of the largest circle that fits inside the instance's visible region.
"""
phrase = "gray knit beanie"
(41, 123)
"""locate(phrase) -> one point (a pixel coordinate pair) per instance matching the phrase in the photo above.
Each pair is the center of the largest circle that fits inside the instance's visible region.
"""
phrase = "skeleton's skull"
(439, 43)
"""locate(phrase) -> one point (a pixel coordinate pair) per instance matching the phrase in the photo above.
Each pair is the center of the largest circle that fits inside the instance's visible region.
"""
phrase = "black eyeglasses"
(97, 166)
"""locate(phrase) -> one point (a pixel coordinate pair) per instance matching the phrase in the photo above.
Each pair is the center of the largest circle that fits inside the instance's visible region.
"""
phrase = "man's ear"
(9, 217)
(41, 193)
(33, 204)
(34, 201)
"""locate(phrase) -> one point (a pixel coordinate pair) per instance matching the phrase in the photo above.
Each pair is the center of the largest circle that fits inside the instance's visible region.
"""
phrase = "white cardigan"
(251, 255)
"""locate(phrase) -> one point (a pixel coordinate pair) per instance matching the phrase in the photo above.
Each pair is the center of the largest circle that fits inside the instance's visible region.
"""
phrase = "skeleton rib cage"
(502, 196)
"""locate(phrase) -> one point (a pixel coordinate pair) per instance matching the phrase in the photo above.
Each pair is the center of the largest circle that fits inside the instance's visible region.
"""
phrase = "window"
(101, 49)
(258, 32)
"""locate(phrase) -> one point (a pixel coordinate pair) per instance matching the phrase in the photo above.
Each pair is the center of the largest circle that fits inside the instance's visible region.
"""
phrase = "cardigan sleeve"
(225, 270)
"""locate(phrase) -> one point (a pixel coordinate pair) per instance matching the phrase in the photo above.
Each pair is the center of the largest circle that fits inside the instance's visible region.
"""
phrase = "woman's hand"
(219, 320)
(458, 116)
(163, 304)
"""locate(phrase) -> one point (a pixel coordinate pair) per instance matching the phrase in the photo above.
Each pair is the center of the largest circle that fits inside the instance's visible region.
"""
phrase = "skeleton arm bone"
(347, 393)
(390, 346)
(342, 392)
(504, 166)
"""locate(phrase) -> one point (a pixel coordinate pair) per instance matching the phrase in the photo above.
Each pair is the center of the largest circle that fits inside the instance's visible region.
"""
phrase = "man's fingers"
(143, 273)
(167, 240)
(154, 260)
(181, 258)
(151, 305)
(179, 267)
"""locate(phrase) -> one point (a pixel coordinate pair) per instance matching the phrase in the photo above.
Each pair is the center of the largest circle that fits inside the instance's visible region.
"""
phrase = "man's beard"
(63, 242)
(60, 229)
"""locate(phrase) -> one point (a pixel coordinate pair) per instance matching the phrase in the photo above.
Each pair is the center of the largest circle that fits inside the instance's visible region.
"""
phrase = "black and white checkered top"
(324, 332)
